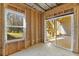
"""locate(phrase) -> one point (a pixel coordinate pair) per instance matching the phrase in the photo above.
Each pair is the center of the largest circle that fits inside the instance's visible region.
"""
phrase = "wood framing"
(32, 30)
(66, 9)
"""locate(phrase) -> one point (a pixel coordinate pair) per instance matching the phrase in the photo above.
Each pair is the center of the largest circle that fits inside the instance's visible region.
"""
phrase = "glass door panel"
(67, 25)
(50, 29)
(60, 34)
(64, 32)
(60, 31)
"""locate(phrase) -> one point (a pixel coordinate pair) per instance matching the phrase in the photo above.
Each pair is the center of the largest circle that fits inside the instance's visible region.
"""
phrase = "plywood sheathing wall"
(62, 9)
(1, 28)
(0, 31)
(77, 27)
(33, 30)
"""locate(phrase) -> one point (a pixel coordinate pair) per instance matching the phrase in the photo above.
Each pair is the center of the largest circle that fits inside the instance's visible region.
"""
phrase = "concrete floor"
(46, 49)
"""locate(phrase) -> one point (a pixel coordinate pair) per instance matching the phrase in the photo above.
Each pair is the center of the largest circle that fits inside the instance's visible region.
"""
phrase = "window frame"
(24, 25)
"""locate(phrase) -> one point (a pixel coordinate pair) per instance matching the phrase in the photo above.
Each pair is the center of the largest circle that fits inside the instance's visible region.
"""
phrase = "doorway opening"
(60, 31)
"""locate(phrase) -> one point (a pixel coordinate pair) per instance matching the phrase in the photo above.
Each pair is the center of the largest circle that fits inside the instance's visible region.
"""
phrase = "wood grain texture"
(56, 10)
(1, 28)
(32, 17)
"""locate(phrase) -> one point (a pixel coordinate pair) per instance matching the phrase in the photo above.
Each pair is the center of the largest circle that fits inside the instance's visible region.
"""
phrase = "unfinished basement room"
(39, 29)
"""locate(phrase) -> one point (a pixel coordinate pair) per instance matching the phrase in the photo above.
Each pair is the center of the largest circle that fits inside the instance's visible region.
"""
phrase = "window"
(15, 25)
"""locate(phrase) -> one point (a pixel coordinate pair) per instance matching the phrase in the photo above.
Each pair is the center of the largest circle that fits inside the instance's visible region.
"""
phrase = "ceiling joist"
(43, 6)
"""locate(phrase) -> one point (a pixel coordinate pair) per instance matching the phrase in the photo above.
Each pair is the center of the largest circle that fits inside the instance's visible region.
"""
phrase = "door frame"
(72, 30)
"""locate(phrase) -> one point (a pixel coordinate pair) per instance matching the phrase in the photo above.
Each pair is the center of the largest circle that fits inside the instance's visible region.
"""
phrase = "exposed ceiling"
(43, 6)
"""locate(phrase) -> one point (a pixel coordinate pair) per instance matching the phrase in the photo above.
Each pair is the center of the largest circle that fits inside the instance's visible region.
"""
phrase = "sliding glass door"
(60, 31)
(50, 31)
(64, 31)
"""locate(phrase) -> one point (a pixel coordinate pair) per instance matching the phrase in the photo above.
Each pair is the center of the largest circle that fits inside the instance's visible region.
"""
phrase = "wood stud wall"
(32, 30)
(28, 32)
(41, 25)
(0, 30)
(35, 28)
(76, 44)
